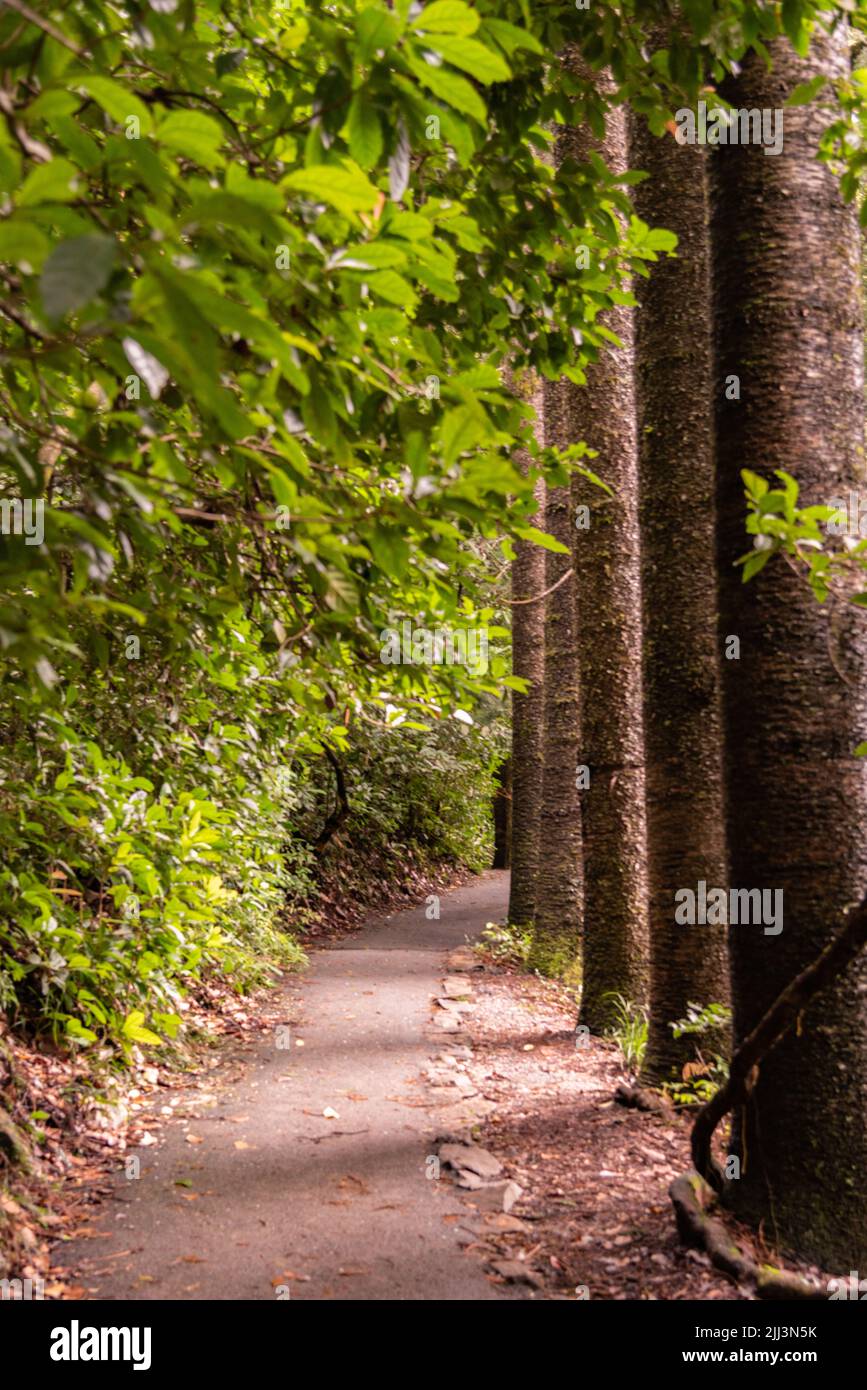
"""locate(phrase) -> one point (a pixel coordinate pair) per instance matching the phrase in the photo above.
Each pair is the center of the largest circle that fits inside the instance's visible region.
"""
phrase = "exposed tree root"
(694, 1201)
(695, 1195)
(641, 1098)
(791, 1002)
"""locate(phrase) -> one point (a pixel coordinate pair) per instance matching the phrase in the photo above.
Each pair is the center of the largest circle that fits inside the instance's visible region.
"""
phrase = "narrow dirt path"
(303, 1172)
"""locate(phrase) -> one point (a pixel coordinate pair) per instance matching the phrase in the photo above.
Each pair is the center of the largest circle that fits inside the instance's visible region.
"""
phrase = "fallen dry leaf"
(352, 1181)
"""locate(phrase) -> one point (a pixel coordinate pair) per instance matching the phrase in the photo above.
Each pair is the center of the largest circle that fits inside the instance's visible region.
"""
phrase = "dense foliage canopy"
(262, 270)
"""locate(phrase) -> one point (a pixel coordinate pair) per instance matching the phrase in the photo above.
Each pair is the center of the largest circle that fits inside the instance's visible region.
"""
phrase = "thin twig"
(44, 24)
(537, 598)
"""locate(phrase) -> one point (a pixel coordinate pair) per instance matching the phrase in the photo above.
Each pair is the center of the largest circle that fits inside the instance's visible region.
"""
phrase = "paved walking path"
(273, 1188)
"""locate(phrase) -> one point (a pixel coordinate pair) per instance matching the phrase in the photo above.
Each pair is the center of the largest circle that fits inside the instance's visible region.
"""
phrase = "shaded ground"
(598, 1222)
(299, 1166)
(595, 1175)
(316, 1154)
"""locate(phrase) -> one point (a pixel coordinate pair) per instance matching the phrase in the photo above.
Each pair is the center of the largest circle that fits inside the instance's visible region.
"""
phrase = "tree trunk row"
(709, 725)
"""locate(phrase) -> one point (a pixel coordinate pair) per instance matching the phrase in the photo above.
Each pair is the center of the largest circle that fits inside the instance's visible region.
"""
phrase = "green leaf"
(700, 16)
(134, 1030)
(450, 87)
(10, 169)
(542, 538)
(373, 255)
(796, 13)
(447, 17)
(387, 284)
(77, 142)
(55, 182)
(376, 29)
(390, 550)
(21, 243)
(230, 61)
(472, 57)
(193, 134)
(754, 562)
(511, 38)
(78, 1031)
(345, 187)
(461, 430)
(75, 273)
(439, 285)
(55, 101)
(660, 239)
(756, 486)
(116, 100)
(364, 132)
(805, 92)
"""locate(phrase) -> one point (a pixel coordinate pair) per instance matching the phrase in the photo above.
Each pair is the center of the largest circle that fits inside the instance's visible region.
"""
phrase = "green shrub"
(628, 1029)
(506, 944)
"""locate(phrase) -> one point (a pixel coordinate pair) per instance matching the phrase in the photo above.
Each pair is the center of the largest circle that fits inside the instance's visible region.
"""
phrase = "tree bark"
(502, 810)
(528, 660)
(559, 886)
(608, 643)
(682, 710)
(788, 323)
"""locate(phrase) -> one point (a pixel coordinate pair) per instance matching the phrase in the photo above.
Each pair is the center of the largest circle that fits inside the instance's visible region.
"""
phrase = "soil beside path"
(301, 1167)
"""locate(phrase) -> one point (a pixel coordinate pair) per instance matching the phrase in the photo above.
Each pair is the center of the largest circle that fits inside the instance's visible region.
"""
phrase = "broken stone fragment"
(494, 1222)
(463, 1114)
(470, 1156)
(456, 1006)
(516, 1272)
(448, 1022)
(464, 1178)
(497, 1196)
(499, 1221)
(465, 1086)
(464, 960)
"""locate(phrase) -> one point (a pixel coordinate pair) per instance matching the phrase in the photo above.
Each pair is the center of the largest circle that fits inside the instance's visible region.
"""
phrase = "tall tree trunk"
(559, 884)
(502, 809)
(788, 320)
(608, 643)
(682, 714)
(528, 660)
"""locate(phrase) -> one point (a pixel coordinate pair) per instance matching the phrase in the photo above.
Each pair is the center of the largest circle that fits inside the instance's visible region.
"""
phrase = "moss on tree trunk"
(14, 1148)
